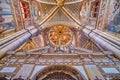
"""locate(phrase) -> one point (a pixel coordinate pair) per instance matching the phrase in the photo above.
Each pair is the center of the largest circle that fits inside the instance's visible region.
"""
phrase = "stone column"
(106, 41)
(10, 43)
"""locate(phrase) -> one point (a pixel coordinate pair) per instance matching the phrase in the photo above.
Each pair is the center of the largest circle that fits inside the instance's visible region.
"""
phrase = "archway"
(58, 72)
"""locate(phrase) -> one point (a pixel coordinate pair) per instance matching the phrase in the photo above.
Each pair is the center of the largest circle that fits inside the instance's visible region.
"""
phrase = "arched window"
(36, 10)
(25, 9)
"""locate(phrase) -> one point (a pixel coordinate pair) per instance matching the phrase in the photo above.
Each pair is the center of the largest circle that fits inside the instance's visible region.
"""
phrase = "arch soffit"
(60, 68)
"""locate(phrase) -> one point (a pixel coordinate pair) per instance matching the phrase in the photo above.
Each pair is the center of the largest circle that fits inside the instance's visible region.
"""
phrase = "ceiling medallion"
(60, 35)
(60, 1)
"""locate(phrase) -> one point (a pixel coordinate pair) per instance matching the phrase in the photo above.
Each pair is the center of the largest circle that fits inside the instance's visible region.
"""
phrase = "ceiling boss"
(60, 2)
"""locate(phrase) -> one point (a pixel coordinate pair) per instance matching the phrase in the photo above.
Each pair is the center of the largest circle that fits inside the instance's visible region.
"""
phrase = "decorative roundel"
(60, 35)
